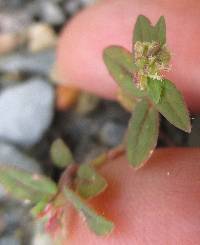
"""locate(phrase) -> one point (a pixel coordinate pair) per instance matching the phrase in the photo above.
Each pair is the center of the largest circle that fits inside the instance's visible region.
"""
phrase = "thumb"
(157, 204)
(79, 56)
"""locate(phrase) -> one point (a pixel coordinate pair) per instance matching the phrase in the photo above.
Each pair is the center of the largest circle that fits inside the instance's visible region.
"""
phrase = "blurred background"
(35, 109)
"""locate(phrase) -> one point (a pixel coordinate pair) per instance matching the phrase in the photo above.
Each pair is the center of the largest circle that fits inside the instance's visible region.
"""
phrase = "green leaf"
(173, 107)
(25, 185)
(145, 32)
(154, 89)
(61, 154)
(160, 31)
(98, 224)
(142, 133)
(90, 183)
(39, 207)
(119, 62)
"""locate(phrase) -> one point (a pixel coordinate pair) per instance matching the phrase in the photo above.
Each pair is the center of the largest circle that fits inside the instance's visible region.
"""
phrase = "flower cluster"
(151, 59)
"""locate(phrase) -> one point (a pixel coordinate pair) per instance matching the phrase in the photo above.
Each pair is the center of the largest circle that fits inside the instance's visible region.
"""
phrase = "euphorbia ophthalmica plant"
(145, 92)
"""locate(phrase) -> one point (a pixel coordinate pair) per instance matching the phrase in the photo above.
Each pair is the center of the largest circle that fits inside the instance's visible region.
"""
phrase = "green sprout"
(140, 75)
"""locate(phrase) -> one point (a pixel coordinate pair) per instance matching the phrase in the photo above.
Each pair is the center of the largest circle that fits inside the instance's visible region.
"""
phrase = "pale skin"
(111, 22)
(158, 204)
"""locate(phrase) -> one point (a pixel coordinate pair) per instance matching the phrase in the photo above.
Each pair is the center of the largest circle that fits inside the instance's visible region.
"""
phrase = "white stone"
(26, 112)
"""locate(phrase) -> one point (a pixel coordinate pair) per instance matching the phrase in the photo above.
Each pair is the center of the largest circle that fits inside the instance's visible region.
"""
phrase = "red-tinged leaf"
(24, 185)
(98, 224)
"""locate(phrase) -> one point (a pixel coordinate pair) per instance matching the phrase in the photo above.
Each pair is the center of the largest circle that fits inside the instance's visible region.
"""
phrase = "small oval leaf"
(25, 185)
(119, 62)
(173, 107)
(98, 224)
(142, 133)
(89, 182)
(61, 154)
(143, 30)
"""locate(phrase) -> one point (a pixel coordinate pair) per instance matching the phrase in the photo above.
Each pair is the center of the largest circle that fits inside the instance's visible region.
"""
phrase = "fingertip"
(83, 40)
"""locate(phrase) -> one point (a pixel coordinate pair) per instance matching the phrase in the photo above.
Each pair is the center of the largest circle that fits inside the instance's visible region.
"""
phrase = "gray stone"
(26, 112)
(14, 21)
(39, 63)
(17, 223)
(12, 4)
(112, 133)
(88, 2)
(9, 240)
(72, 6)
(51, 13)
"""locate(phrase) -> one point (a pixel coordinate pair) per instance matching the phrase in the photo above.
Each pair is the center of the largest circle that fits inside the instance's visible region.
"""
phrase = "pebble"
(12, 4)
(10, 41)
(26, 112)
(9, 240)
(14, 21)
(88, 2)
(72, 6)
(111, 134)
(38, 63)
(51, 13)
(41, 36)
(17, 223)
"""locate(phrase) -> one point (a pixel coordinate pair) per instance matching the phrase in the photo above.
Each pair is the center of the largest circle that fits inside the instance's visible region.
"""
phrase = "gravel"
(37, 64)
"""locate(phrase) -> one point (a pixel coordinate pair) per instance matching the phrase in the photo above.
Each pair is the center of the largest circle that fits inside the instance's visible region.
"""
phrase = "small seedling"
(49, 200)
(144, 91)
(140, 76)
